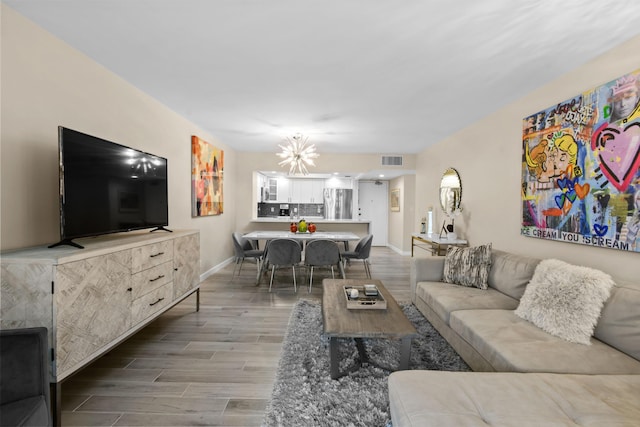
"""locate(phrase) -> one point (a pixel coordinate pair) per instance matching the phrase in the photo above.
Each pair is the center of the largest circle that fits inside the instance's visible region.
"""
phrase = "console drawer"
(147, 256)
(150, 279)
(150, 303)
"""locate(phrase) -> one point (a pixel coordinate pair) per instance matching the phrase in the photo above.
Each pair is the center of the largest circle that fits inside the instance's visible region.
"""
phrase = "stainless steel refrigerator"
(338, 203)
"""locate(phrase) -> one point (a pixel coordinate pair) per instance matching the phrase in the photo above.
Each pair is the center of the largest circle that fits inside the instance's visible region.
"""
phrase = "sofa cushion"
(443, 298)
(436, 398)
(425, 270)
(565, 300)
(468, 266)
(619, 323)
(510, 343)
(510, 273)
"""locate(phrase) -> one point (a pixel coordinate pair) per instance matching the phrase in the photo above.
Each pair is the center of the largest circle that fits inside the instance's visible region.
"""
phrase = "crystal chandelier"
(297, 154)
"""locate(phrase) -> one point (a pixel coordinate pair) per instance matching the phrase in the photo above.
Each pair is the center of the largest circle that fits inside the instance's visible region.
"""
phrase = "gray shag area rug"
(304, 393)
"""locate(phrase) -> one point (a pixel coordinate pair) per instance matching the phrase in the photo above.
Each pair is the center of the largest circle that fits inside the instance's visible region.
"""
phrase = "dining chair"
(265, 263)
(283, 253)
(362, 251)
(322, 253)
(245, 249)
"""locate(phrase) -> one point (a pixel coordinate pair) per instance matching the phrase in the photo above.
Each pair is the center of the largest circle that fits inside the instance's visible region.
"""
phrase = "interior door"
(373, 205)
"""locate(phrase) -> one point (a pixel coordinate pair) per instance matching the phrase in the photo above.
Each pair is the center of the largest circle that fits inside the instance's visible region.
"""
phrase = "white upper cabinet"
(261, 188)
(284, 191)
(339, 183)
(317, 190)
(307, 190)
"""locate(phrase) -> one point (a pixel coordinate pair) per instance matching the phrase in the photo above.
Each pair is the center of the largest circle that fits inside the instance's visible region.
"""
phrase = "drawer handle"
(155, 255)
(154, 303)
(157, 278)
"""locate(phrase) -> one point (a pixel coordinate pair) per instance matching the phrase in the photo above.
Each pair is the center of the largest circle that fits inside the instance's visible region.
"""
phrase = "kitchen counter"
(361, 228)
(317, 220)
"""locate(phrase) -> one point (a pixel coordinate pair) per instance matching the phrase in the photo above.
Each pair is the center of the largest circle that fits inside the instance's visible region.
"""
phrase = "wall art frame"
(395, 200)
(207, 178)
(581, 168)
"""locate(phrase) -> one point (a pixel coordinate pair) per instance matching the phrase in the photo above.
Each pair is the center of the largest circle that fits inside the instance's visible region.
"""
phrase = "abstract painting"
(581, 168)
(207, 173)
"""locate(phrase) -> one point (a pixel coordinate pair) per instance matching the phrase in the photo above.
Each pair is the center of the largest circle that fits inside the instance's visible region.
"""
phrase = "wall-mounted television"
(106, 188)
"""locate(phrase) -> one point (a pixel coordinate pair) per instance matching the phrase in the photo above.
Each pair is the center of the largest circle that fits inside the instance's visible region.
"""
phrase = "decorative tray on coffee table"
(365, 300)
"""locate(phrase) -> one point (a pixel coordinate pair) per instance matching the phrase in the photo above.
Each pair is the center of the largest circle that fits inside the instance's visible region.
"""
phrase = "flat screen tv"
(108, 188)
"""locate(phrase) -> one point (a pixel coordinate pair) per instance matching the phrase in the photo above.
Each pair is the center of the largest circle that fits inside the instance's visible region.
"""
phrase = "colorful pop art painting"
(581, 168)
(207, 173)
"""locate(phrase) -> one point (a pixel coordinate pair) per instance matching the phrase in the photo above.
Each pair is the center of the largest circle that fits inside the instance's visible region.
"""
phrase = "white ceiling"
(357, 76)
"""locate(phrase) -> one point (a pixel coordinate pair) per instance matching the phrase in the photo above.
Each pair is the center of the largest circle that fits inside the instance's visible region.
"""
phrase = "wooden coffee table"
(340, 322)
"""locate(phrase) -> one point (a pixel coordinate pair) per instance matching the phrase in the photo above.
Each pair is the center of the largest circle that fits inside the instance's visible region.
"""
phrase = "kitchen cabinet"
(307, 190)
(262, 187)
(339, 183)
(317, 191)
(271, 190)
(282, 189)
(294, 190)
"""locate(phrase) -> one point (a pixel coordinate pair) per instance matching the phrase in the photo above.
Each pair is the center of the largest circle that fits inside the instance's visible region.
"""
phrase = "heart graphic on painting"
(560, 200)
(618, 151)
(581, 190)
(571, 195)
(600, 230)
(564, 183)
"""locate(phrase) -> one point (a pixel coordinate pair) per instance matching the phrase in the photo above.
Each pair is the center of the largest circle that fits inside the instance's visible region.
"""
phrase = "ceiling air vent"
(392, 160)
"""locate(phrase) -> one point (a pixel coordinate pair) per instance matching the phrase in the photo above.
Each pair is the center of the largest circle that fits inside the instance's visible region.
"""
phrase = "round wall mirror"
(450, 191)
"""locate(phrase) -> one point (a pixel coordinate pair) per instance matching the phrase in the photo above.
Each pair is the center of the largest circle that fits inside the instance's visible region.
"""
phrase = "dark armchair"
(24, 378)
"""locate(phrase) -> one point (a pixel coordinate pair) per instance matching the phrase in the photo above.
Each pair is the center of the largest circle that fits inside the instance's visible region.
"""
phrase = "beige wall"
(487, 156)
(402, 224)
(46, 83)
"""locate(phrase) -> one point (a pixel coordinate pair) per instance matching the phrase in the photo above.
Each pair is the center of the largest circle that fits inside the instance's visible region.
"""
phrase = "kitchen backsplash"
(266, 210)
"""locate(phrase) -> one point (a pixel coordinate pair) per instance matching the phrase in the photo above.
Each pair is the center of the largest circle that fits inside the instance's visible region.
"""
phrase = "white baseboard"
(399, 251)
(216, 268)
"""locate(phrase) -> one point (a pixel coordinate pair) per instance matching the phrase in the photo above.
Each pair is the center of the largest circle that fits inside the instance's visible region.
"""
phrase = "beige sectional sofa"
(529, 377)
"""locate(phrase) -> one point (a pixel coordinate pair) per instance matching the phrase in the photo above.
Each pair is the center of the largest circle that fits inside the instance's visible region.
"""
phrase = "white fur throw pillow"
(565, 300)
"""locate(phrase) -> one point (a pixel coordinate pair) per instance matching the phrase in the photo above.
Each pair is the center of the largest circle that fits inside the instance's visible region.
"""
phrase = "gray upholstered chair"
(24, 377)
(322, 253)
(362, 251)
(283, 253)
(244, 249)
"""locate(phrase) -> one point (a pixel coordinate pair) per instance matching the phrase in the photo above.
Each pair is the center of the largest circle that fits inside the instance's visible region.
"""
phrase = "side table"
(434, 243)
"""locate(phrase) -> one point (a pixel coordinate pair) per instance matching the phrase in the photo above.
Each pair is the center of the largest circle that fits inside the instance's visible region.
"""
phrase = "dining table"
(338, 236)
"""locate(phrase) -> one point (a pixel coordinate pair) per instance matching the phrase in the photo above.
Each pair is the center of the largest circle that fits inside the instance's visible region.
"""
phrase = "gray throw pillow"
(468, 266)
(565, 300)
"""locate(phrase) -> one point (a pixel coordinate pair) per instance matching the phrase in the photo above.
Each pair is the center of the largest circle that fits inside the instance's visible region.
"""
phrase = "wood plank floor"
(214, 367)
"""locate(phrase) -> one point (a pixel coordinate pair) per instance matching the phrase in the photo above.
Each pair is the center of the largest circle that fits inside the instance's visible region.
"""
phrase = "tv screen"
(107, 187)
